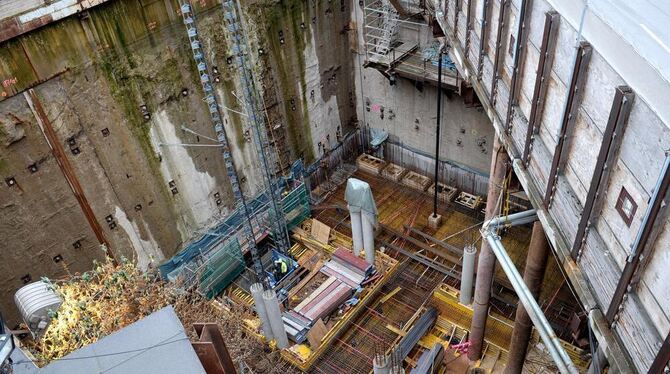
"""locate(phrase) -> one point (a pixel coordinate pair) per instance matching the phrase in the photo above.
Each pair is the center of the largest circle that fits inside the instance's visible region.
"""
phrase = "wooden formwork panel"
(469, 200)
(445, 192)
(394, 172)
(370, 164)
(416, 181)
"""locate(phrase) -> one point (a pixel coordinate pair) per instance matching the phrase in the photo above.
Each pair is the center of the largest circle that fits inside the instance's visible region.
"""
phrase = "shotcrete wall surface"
(118, 85)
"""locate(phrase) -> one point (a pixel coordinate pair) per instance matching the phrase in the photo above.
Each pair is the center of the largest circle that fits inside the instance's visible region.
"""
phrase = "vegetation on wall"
(289, 20)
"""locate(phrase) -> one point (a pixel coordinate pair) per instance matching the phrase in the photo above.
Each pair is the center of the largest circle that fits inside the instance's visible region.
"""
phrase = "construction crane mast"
(217, 121)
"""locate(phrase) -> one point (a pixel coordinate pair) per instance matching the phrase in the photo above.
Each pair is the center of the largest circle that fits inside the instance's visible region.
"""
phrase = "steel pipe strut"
(533, 274)
(551, 341)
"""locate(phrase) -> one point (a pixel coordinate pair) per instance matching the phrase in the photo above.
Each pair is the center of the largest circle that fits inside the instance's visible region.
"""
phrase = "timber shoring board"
(502, 16)
(543, 72)
(522, 35)
(484, 38)
(621, 107)
(569, 116)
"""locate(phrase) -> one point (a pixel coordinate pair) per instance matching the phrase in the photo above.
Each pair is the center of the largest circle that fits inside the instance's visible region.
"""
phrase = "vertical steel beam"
(483, 38)
(662, 358)
(621, 106)
(544, 64)
(504, 4)
(66, 168)
(569, 114)
(652, 224)
(519, 52)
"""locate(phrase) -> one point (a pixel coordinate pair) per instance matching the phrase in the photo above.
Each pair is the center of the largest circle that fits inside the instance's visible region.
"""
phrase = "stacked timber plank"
(370, 164)
(345, 272)
(347, 267)
(416, 181)
(394, 172)
(445, 193)
(296, 326)
(325, 299)
(469, 200)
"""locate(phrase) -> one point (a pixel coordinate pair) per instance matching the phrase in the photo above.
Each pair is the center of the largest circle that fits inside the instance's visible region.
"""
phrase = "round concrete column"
(369, 237)
(274, 315)
(257, 293)
(468, 274)
(356, 230)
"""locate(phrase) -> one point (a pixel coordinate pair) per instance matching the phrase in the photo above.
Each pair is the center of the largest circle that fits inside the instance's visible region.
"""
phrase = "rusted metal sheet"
(521, 35)
(211, 349)
(621, 107)
(66, 168)
(655, 218)
(484, 37)
(568, 121)
(497, 55)
(547, 49)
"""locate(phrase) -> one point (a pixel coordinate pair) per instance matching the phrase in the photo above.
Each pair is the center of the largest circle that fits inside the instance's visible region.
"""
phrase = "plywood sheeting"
(320, 231)
(316, 334)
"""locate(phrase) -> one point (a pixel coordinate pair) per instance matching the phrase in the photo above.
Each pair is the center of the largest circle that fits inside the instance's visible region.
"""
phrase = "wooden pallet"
(416, 181)
(445, 193)
(469, 200)
(370, 164)
(394, 172)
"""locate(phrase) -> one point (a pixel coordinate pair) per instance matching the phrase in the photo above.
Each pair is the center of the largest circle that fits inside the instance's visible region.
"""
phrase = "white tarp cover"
(359, 197)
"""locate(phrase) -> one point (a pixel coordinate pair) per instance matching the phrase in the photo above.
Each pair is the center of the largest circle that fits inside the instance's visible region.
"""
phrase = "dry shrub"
(110, 297)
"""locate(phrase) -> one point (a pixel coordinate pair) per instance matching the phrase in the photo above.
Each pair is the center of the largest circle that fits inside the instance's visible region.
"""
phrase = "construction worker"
(281, 268)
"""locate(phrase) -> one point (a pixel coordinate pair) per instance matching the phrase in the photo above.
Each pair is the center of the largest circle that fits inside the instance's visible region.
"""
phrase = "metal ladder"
(264, 149)
(215, 114)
